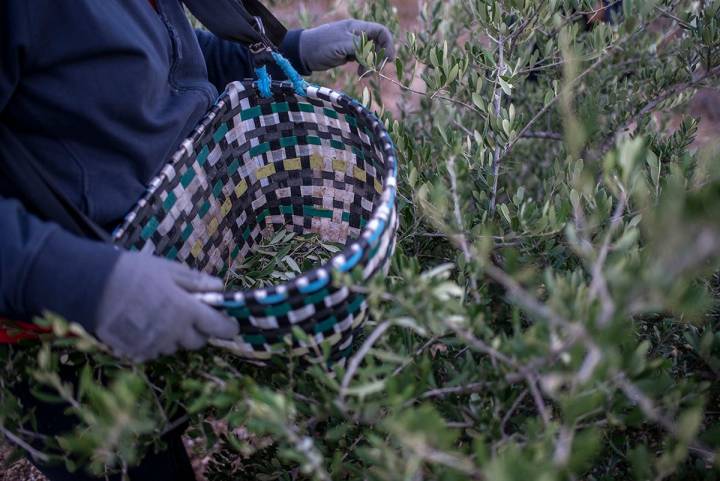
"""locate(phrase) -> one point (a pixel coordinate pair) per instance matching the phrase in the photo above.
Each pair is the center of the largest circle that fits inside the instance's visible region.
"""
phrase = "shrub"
(551, 308)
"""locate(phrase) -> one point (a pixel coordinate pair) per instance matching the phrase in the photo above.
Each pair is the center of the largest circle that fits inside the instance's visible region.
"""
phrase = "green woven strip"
(260, 149)
(169, 201)
(325, 325)
(251, 113)
(203, 155)
(150, 228)
(187, 231)
(204, 209)
(315, 297)
(233, 167)
(187, 177)
(310, 211)
(288, 141)
(278, 309)
(239, 312)
(220, 132)
(355, 305)
(280, 107)
(172, 253)
(358, 153)
(217, 188)
(255, 339)
(263, 215)
(305, 107)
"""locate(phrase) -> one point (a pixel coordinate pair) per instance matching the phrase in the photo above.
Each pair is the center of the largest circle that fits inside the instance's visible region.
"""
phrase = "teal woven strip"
(325, 325)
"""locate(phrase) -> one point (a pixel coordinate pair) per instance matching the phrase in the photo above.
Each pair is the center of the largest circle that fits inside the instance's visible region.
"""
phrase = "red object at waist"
(12, 332)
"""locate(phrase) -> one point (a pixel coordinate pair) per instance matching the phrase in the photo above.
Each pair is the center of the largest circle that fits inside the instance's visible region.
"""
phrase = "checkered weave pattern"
(319, 163)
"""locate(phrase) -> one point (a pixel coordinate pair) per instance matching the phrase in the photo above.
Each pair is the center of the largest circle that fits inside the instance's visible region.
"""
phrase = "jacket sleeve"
(229, 61)
(42, 267)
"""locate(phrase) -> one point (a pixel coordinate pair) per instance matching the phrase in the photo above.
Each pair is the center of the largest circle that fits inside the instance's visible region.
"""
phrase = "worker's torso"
(108, 89)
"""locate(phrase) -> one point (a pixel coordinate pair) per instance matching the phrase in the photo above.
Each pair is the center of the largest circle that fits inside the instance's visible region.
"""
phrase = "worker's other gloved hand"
(333, 44)
(147, 308)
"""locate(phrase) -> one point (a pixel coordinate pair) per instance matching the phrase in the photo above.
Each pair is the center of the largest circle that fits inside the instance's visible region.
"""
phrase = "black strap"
(23, 177)
(237, 20)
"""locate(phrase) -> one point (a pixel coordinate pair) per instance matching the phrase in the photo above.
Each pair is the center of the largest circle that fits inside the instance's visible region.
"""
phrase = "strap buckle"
(265, 44)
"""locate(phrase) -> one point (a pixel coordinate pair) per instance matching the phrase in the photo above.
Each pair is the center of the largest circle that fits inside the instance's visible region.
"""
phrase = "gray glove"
(333, 44)
(147, 308)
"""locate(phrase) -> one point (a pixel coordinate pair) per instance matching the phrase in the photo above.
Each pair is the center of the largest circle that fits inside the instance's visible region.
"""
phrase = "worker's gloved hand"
(147, 308)
(333, 44)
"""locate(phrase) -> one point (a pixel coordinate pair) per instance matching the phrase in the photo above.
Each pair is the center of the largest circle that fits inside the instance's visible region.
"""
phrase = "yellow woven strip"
(378, 186)
(334, 339)
(197, 248)
(212, 227)
(225, 208)
(265, 171)
(316, 162)
(292, 164)
(339, 165)
(357, 320)
(359, 174)
(240, 188)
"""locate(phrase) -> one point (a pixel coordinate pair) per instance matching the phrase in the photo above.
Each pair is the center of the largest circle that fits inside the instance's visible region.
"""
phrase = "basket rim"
(342, 262)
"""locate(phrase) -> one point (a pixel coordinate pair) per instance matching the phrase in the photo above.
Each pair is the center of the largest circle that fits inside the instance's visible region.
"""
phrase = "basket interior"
(255, 166)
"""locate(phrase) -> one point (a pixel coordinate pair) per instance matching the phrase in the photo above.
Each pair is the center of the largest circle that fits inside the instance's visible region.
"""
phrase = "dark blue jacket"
(100, 92)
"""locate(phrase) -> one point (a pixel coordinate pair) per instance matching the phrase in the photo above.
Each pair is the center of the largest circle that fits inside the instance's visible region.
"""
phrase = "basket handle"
(261, 51)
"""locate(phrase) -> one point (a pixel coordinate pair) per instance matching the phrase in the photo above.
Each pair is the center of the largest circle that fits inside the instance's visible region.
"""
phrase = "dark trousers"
(172, 464)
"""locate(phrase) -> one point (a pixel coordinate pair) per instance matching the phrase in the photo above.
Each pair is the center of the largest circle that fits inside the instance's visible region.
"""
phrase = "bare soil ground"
(19, 471)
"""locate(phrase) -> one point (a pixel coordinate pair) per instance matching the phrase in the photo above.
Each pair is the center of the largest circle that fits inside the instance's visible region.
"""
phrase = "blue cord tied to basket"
(261, 50)
(293, 76)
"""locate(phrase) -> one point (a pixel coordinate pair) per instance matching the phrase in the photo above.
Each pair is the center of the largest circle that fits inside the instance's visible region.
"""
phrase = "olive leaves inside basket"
(279, 259)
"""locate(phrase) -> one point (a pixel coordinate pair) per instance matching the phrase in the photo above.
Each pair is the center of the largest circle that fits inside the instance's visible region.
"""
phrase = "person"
(96, 95)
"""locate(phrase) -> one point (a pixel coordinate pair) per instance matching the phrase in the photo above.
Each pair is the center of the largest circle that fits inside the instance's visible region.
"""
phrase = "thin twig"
(513, 408)
(671, 16)
(422, 348)
(462, 239)
(539, 134)
(497, 106)
(566, 90)
(532, 383)
(482, 347)
(435, 95)
(34, 453)
(598, 285)
(448, 391)
(653, 413)
(652, 105)
(355, 361)
(563, 446)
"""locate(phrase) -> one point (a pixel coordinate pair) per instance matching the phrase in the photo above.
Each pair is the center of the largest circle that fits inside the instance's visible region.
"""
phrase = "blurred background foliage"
(552, 308)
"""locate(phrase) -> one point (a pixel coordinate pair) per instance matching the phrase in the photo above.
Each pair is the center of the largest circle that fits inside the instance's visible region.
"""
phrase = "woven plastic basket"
(313, 163)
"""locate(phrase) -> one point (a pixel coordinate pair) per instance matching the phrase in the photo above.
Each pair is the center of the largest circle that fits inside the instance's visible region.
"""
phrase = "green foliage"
(551, 310)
